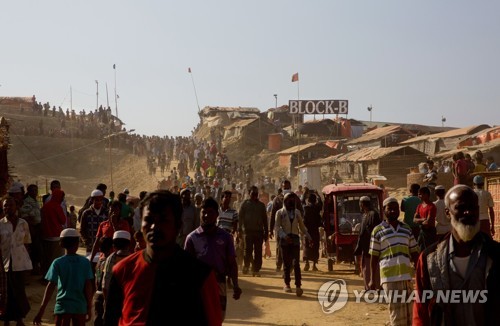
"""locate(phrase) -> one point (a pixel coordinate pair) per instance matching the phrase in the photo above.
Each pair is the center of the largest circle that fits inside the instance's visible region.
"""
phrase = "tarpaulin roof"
(448, 134)
(470, 149)
(376, 134)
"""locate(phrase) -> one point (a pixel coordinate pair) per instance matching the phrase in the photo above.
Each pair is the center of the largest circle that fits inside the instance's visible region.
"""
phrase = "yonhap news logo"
(332, 296)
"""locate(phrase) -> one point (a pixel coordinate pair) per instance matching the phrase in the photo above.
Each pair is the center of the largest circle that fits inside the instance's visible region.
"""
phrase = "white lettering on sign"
(319, 107)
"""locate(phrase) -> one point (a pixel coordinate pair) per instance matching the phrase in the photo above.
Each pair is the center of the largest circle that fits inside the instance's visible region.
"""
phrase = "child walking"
(72, 275)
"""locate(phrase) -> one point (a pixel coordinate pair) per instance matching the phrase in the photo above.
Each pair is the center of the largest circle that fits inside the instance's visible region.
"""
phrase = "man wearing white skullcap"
(392, 244)
(91, 218)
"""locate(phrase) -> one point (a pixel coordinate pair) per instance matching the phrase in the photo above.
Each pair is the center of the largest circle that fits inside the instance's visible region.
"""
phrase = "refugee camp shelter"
(448, 140)
(249, 131)
(381, 137)
(368, 163)
(303, 153)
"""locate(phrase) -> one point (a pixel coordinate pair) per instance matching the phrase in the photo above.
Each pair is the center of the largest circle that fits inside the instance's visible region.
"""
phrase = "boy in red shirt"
(425, 216)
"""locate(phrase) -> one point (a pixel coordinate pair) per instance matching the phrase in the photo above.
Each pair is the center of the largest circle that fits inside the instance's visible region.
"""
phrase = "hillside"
(79, 164)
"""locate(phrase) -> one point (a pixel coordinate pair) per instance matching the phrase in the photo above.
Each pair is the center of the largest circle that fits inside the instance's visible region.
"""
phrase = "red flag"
(295, 77)
(189, 70)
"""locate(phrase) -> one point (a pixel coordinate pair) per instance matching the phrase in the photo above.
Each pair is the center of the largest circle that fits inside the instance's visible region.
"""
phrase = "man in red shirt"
(425, 216)
(107, 228)
(162, 284)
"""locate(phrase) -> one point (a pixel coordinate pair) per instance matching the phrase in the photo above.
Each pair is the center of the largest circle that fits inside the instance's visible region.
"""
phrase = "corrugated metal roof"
(298, 148)
(375, 134)
(361, 155)
(448, 134)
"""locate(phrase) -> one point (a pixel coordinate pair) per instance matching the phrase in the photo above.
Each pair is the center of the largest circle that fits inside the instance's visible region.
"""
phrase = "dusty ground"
(265, 303)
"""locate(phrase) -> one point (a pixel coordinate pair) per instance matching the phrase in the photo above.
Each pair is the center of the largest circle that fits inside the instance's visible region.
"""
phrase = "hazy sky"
(413, 61)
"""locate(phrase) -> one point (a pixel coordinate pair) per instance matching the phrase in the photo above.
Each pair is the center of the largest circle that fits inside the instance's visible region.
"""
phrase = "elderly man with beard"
(214, 246)
(466, 261)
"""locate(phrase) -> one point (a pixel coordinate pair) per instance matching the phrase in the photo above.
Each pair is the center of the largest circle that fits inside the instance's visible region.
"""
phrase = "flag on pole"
(295, 77)
(114, 66)
(189, 70)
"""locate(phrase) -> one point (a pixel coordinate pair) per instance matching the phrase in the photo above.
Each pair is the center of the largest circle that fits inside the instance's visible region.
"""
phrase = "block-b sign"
(319, 107)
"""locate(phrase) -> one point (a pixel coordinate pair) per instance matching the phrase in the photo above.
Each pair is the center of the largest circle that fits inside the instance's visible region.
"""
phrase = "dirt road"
(265, 303)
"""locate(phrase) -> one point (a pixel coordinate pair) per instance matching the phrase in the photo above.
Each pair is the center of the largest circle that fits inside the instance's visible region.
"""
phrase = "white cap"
(69, 233)
(96, 193)
(15, 188)
(364, 198)
(121, 235)
(439, 188)
(389, 200)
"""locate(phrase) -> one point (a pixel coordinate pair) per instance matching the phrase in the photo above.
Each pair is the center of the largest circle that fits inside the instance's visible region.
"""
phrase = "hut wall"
(396, 167)
(284, 160)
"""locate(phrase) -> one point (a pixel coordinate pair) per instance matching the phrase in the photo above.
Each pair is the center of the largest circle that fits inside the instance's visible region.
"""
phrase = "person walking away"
(391, 246)
(14, 236)
(53, 221)
(289, 223)
(72, 275)
(443, 225)
(486, 212)
(409, 206)
(425, 216)
(30, 212)
(214, 246)
(467, 262)
(253, 227)
(152, 286)
(370, 220)
(312, 222)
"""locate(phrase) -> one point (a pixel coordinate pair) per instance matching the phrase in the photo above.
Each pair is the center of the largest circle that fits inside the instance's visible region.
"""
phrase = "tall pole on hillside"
(71, 108)
(370, 108)
(295, 78)
(97, 94)
(116, 96)
(107, 96)
(194, 87)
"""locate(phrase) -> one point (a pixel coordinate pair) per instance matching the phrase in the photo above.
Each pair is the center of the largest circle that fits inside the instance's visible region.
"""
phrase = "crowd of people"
(217, 225)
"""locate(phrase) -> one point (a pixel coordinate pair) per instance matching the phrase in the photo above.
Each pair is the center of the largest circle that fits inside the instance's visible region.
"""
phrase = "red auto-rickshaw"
(342, 218)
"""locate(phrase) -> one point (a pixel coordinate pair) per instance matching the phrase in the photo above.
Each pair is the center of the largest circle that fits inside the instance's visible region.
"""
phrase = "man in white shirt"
(443, 224)
(486, 212)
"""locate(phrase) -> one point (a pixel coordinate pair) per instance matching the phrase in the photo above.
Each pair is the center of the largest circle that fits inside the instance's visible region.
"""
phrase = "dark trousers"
(279, 257)
(36, 246)
(291, 255)
(253, 251)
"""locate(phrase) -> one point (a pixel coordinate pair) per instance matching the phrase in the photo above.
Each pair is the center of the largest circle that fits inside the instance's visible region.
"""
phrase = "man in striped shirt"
(391, 247)
(228, 217)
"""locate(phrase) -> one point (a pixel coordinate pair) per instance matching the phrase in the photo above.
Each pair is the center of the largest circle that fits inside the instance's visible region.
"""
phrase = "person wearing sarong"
(312, 221)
